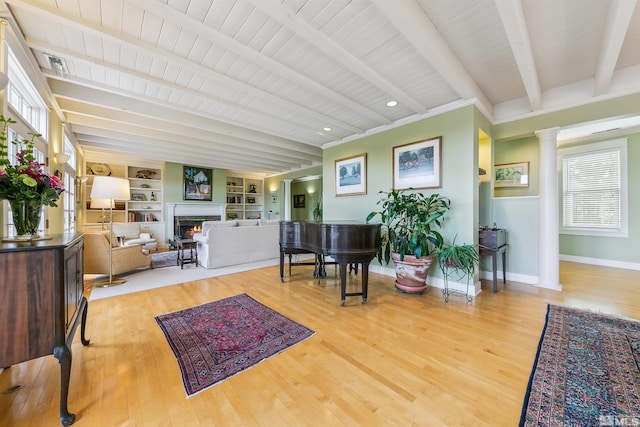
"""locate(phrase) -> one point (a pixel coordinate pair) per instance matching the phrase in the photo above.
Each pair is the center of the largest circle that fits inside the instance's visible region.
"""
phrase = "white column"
(287, 199)
(548, 223)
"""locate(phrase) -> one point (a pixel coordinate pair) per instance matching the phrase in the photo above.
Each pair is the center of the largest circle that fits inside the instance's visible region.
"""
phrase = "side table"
(494, 252)
(191, 257)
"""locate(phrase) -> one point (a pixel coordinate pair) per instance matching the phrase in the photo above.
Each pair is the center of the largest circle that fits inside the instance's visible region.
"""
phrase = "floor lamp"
(102, 204)
(110, 188)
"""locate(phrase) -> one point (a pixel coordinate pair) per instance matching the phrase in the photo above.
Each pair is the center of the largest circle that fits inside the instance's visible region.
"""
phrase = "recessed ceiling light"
(392, 103)
(326, 129)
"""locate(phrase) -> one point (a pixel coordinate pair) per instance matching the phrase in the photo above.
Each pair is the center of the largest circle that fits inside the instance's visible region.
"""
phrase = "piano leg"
(365, 281)
(319, 272)
(353, 267)
(343, 283)
(282, 266)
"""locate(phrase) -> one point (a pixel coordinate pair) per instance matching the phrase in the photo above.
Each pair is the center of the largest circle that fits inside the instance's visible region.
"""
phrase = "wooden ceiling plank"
(290, 20)
(220, 39)
(410, 19)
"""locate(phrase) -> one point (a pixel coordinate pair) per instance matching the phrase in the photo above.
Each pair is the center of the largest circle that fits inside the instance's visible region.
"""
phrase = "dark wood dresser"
(42, 303)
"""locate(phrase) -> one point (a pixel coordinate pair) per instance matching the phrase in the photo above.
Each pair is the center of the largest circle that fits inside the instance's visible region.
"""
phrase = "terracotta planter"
(411, 273)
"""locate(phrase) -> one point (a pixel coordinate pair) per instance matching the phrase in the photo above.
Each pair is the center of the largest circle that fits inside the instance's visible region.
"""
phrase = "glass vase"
(26, 218)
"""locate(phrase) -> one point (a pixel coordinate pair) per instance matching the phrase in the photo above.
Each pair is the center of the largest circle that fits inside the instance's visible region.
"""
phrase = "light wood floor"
(399, 360)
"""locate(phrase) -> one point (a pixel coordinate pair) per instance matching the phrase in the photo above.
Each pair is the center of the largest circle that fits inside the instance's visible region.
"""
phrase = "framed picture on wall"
(512, 175)
(418, 164)
(351, 175)
(298, 201)
(197, 183)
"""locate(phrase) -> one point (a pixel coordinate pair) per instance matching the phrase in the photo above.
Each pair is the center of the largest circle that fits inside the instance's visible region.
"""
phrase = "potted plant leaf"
(410, 222)
(457, 261)
(464, 258)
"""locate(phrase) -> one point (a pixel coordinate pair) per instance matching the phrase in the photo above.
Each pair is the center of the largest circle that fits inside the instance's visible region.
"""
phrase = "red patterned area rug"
(164, 259)
(586, 371)
(217, 340)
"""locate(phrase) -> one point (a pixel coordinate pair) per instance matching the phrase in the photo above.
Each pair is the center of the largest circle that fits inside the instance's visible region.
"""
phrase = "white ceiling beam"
(96, 151)
(515, 26)
(99, 149)
(77, 110)
(175, 16)
(290, 20)
(158, 130)
(145, 48)
(147, 138)
(167, 149)
(261, 115)
(618, 20)
(410, 19)
(156, 110)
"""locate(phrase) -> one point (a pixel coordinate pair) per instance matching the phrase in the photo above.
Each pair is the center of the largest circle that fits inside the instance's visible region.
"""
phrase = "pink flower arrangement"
(27, 179)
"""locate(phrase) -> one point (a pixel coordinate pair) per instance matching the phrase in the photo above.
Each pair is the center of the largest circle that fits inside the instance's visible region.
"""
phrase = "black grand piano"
(347, 242)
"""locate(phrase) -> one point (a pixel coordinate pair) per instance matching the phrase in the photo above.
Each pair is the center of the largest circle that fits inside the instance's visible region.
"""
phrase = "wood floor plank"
(398, 360)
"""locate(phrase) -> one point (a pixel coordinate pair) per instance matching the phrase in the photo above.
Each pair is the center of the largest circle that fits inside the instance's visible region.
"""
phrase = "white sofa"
(224, 243)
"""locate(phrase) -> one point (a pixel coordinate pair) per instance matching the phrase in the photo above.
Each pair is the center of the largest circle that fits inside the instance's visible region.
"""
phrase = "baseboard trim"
(601, 262)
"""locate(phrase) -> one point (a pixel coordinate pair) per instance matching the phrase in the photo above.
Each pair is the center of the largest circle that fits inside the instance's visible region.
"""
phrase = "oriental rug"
(217, 340)
(586, 371)
(164, 259)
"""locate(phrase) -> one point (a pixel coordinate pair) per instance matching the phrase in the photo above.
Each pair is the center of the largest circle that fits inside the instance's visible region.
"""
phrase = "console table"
(41, 304)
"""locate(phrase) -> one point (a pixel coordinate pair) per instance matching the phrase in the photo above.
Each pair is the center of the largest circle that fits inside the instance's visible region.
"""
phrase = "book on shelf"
(141, 217)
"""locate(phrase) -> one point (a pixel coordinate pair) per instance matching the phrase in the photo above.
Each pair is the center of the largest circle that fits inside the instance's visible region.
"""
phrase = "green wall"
(274, 186)
(473, 199)
(518, 151)
(312, 190)
(459, 170)
(516, 140)
(173, 189)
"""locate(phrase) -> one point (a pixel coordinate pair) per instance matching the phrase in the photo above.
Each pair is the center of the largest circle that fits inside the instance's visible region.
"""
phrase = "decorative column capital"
(548, 134)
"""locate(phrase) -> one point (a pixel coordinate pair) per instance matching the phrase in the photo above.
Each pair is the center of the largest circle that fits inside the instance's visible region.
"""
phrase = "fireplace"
(189, 216)
(185, 226)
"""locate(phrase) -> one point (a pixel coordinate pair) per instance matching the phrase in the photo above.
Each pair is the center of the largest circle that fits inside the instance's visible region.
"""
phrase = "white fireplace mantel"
(195, 209)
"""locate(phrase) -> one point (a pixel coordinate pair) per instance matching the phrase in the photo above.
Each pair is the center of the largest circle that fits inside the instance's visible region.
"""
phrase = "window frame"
(619, 145)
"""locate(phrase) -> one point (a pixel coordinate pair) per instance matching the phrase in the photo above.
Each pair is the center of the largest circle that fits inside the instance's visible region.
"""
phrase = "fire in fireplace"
(185, 226)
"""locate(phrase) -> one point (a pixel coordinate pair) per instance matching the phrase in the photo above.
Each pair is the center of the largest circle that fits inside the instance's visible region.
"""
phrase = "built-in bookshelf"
(144, 206)
(245, 197)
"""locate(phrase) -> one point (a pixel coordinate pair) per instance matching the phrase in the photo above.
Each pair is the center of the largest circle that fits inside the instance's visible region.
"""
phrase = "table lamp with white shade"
(111, 189)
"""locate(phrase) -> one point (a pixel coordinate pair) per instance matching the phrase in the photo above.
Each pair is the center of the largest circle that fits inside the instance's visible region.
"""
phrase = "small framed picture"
(274, 199)
(351, 175)
(418, 164)
(298, 201)
(138, 197)
(512, 175)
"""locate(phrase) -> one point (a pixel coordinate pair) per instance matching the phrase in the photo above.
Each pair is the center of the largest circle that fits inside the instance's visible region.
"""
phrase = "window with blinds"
(594, 188)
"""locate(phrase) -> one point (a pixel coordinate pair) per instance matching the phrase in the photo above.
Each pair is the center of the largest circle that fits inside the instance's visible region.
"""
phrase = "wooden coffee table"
(184, 257)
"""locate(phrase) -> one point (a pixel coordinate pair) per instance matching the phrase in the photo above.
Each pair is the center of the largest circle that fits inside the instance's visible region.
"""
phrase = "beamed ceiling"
(262, 85)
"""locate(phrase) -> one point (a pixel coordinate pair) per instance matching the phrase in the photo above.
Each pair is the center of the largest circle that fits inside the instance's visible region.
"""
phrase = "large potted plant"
(410, 222)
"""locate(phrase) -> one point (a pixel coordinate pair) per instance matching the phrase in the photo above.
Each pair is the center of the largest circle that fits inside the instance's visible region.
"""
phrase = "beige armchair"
(124, 258)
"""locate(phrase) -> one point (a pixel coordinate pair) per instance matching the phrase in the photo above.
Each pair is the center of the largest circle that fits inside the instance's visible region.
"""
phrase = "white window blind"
(594, 187)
